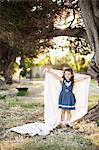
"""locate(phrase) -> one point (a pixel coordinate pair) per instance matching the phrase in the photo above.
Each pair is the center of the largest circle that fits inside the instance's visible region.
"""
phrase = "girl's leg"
(68, 115)
(63, 115)
(62, 118)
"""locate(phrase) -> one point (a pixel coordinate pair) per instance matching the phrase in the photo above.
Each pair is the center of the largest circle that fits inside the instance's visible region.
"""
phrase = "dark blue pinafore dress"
(67, 99)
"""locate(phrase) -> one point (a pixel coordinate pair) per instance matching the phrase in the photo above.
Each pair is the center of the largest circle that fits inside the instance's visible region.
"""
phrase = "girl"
(67, 99)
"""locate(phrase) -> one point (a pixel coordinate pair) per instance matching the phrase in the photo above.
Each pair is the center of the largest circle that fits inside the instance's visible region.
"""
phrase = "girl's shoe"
(69, 125)
(63, 123)
(59, 126)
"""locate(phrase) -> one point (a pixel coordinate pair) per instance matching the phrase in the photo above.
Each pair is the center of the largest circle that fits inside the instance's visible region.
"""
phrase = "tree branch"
(75, 32)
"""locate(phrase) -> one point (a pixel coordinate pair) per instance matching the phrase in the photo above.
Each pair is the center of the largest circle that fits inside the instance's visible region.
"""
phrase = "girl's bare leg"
(68, 115)
(63, 115)
(62, 118)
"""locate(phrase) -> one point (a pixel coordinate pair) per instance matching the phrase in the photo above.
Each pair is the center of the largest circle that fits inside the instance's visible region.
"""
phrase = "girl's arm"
(55, 75)
(80, 79)
(48, 69)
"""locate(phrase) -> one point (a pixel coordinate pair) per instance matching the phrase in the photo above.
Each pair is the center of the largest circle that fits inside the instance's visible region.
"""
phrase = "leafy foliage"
(26, 26)
(22, 93)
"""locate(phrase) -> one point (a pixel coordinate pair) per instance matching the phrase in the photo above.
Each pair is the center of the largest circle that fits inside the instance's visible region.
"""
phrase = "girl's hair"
(72, 75)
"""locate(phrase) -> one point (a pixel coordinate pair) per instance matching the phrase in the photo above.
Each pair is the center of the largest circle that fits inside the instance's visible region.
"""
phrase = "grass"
(62, 141)
(17, 110)
(93, 97)
(10, 102)
(97, 121)
(22, 93)
(38, 79)
(93, 100)
(93, 81)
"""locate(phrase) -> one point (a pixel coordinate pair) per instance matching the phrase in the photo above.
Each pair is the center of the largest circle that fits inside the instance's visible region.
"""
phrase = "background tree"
(28, 25)
(90, 9)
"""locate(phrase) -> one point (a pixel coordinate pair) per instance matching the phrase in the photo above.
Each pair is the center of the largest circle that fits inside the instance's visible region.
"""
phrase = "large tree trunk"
(7, 58)
(90, 17)
(7, 72)
(92, 115)
(90, 14)
(93, 70)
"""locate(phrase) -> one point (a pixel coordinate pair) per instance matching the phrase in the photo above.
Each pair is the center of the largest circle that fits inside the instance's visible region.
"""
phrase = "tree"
(90, 9)
(28, 25)
(7, 58)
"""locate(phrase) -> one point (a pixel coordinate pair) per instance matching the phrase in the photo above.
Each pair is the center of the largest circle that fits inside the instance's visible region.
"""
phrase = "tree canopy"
(29, 24)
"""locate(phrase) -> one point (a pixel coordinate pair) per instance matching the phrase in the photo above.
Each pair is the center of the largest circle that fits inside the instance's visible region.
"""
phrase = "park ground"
(16, 109)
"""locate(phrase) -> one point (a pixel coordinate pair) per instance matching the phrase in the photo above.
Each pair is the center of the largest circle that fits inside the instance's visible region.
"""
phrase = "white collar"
(68, 83)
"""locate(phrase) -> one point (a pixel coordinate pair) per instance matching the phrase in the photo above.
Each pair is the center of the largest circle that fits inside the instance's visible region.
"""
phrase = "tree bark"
(92, 115)
(75, 32)
(7, 58)
(7, 72)
(89, 11)
(90, 14)
(93, 70)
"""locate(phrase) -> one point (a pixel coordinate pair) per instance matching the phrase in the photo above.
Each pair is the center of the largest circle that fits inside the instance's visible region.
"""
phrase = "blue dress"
(67, 99)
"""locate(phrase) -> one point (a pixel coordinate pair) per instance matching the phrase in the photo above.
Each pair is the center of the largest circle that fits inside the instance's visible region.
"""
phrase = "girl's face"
(68, 75)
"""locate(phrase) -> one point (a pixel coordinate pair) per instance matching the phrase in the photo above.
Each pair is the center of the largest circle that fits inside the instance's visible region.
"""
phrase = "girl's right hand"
(46, 68)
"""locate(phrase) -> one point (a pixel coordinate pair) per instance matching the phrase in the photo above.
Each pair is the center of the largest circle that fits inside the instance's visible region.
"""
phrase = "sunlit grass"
(93, 100)
(11, 102)
(38, 79)
(93, 97)
(93, 81)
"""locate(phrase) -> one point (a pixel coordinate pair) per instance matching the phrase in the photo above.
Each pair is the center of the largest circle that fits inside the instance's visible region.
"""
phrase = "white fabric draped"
(52, 114)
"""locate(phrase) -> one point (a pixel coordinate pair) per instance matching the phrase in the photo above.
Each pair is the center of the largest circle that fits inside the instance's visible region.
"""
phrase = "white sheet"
(52, 114)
